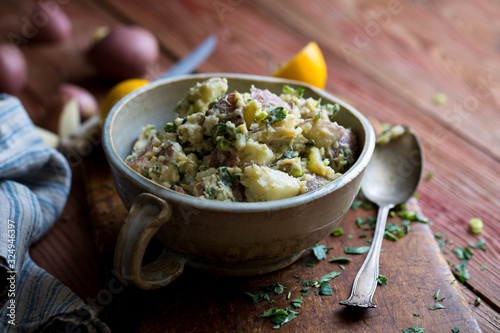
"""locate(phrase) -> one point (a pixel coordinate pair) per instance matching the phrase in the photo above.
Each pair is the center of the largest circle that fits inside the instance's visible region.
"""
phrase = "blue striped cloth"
(34, 186)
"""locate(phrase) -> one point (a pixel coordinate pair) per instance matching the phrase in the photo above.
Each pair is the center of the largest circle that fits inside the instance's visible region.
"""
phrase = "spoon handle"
(365, 283)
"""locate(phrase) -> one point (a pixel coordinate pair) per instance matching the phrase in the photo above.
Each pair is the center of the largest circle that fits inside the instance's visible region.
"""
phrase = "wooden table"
(389, 59)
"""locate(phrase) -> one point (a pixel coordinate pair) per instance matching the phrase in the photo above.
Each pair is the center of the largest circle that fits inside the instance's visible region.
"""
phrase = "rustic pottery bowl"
(235, 238)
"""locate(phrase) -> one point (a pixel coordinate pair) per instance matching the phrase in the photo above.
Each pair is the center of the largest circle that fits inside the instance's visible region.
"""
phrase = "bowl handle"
(147, 214)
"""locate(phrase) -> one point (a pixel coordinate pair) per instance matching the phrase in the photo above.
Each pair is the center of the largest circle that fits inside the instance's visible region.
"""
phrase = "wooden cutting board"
(203, 302)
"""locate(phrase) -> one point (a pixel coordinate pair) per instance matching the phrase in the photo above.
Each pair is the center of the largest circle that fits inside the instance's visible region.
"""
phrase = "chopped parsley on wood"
(414, 329)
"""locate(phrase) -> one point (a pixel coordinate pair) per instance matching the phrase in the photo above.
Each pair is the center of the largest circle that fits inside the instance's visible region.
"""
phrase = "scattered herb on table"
(416, 315)
(477, 302)
(482, 268)
(381, 279)
(455, 329)
(413, 216)
(349, 236)
(311, 263)
(436, 296)
(442, 243)
(356, 250)
(265, 292)
(297, 302)
(323, 284)
(464, 254)
(429, 175)
(320, 251)
(369, 220)
(414, 329)
(338, 232)
(363, 203)
(481, 244)
(340, 259)
(325, 289)
(439, 235)
(280, 316)
(437, 306)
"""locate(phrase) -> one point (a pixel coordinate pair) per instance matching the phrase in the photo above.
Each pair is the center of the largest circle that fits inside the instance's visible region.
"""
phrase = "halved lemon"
(307, 66)
(118, 92)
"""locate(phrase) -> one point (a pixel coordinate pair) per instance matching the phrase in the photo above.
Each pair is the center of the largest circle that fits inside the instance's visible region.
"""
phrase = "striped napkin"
(34, 185)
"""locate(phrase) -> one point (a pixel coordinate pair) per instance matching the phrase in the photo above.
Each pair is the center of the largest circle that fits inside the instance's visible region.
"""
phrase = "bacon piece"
(220, 158)
(315, 183)
(140, 156)
(177, 188)
(346, 144)
(225, 109)
(268, 100)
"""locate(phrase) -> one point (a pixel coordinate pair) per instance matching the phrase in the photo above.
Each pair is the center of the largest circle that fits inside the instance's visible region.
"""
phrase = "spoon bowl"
(391, 177)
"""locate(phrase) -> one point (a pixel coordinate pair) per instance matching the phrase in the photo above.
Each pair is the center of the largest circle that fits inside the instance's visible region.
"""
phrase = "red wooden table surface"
(388, 59)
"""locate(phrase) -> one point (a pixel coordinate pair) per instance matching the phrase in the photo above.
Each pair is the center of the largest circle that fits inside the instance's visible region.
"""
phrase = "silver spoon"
(391, 177)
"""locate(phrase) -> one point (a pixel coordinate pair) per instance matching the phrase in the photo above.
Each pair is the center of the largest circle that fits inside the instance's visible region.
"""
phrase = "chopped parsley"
(340, 259)
(323, 284)
(265, 292)
(311, 263)
(320, 251)
(381, 279)
(356, 250)
(338, 232)
(477, 302)
(280, 316)
(277, 114)
(442, 243)
(209, 191)
(301, 91)
(414, 329)
(297, 302)
(290, 153)
(325, 289)
(170, 127)
(464, 254)
(310, 143)
(436, 296)
(439, 235)
(369, 220)
(224, 176)
(332, 110)
(363, 203)
(455, 329)
(479, 245)
(437, 306)
(429, 175)
(289, 90)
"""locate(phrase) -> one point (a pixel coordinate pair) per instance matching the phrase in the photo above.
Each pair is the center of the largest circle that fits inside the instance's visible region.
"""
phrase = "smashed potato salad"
(245, 146)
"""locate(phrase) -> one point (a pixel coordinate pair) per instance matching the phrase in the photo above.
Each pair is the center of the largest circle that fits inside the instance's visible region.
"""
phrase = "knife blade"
(191, 61)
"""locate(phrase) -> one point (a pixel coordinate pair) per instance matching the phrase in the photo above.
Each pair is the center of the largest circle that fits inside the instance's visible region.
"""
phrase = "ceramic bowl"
(236, 238)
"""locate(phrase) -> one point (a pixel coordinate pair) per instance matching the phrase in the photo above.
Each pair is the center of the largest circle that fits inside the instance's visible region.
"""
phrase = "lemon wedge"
(307, 66)
(118, 92)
